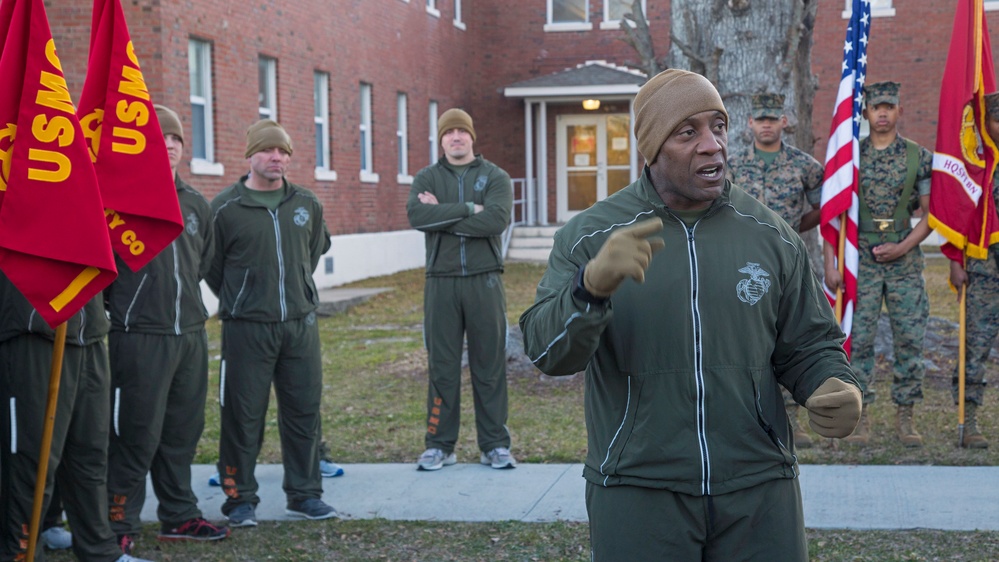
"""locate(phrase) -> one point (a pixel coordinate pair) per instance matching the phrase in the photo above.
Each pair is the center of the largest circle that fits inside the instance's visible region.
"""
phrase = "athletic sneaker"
(125, 543)
(312, 508)
(499, 457)
(214, 480)
(197, 529)
(435, 459)
(243, 515)
(130, 558)
(330, 469)
(57, 538)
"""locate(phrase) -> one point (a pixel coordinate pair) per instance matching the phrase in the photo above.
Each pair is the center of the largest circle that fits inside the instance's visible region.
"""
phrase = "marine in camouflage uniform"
(786, 180)
(982, 321)
(891, 262)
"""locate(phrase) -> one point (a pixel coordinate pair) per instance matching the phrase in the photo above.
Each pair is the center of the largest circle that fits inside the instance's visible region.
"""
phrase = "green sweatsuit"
(262, 273)
(464, 296)
(159, 373)
(78, 455)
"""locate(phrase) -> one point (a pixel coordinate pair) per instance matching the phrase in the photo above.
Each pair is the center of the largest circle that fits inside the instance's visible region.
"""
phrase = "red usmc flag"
(126, 144)
(961, 205)
(53, 240)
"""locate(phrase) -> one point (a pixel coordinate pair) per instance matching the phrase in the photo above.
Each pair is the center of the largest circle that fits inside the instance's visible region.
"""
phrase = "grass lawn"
(373, 411)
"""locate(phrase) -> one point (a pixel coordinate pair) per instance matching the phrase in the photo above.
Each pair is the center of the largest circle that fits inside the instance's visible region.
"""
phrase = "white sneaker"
(130, 558)
(330, 469)
(435, 459)
(57, 538)
(499, 457)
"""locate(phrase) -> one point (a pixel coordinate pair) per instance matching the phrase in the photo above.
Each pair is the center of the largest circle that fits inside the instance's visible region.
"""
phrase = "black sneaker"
(243, 515)
(197, 529)
(312, 508)
(125, 543)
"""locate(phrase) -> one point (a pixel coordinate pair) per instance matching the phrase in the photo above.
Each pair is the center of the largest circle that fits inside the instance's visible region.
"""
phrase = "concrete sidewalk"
(835, 496)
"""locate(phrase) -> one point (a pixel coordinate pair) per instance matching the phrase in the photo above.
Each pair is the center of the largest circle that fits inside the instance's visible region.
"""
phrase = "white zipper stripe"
(627, 405)
(222, 384)
(117, 409)
(13, 425)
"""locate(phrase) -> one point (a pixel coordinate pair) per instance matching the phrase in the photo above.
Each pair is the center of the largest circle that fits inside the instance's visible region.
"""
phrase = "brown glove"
(834, 408)
(626, 253)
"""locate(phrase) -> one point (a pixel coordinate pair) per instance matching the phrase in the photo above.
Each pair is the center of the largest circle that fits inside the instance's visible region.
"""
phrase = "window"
(401, 138)
(368, 174)
(457, 15)
(879, 8)
(267, 88)
(434, 154)
(432, 8)
(321, 117)
(614, 11)
(991, 5)
(199, 66)
(568, 15)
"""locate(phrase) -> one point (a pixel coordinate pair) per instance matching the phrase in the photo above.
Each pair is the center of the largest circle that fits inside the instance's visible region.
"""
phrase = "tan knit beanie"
(666, 100)
(266, 134)
(454, 119)
(169, 121)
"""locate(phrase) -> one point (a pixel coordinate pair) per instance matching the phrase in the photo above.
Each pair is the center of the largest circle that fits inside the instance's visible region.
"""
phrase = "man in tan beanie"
(159, 372)
(690, 304)
(462, 203)
(269, 236)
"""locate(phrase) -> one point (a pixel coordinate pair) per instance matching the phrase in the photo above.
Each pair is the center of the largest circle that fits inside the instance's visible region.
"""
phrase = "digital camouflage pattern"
(789, 186)
(982, 322)
(898, 284)
(767, 105)
(881, 92)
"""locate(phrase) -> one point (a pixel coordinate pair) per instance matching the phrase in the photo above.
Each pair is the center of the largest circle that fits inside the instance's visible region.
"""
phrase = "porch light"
(590, 105)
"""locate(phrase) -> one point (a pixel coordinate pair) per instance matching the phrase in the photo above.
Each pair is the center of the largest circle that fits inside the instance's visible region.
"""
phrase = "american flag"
(840, 186)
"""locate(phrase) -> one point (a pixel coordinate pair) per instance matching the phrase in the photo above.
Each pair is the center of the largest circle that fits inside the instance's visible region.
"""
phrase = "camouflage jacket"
(789, 186)
(990, 266)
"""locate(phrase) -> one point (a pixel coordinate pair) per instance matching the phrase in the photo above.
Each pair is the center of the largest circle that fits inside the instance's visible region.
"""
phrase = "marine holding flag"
(980, 278)
(894, 182)
(159, 372)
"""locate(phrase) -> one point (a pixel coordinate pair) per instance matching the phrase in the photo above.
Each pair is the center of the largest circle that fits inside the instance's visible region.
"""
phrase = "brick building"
(359, 83)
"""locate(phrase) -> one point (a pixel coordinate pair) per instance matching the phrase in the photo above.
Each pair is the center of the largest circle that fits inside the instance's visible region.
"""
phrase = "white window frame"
(991, 5)
(567, 26)
(321, 117)
(609, 23)
(433, 111)
(199, 60)
(402, 138)
(879, 9)
(366, 129)
(432, 8)
(268, 105)
(458, 22)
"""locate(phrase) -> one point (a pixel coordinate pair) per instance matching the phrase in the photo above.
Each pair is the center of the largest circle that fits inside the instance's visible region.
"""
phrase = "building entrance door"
(593, 153)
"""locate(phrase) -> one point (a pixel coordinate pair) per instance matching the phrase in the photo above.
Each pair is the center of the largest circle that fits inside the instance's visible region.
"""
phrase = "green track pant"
(454, 307)
(158, 388)
(78, 458)
(763, 523)
(255, 355)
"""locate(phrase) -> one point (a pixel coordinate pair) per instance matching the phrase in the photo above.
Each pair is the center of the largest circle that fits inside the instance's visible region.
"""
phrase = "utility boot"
(906, 426)
(860, 435)
(801, 438)
(973, 438)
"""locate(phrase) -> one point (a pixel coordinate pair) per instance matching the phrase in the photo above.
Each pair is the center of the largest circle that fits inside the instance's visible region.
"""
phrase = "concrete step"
(538, 242)
(535, 231)
(528, 254)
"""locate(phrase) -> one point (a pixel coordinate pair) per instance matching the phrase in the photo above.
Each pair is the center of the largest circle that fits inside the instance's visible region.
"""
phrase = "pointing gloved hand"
(626, 253)
(834, 408)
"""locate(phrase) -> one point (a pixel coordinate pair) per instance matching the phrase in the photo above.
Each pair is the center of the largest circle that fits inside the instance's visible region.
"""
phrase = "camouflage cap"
(881, 92)
(768, 105)
(992, 104)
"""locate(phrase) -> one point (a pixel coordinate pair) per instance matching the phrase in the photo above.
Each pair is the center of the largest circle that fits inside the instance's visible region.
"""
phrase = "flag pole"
(55, 374)
(961, 359)
(841, 266)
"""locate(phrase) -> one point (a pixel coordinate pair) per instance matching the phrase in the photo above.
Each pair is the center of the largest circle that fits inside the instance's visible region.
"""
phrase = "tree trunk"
(747, 47)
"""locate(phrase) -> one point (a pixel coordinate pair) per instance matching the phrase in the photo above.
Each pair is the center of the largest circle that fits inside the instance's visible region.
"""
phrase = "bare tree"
(744, 47)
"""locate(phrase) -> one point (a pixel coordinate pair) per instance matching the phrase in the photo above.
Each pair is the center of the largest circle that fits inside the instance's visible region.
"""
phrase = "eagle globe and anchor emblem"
(752, 290)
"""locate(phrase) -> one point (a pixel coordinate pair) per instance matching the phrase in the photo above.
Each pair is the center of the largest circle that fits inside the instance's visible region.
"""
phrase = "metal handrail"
(518, 212)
